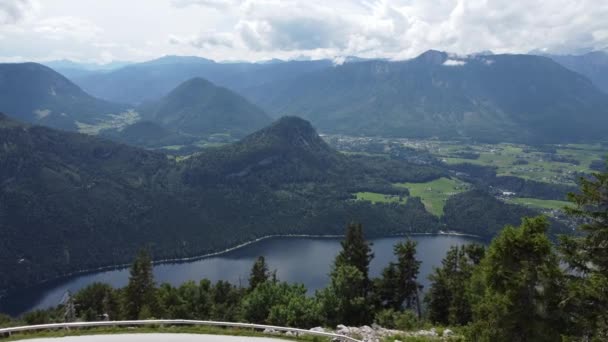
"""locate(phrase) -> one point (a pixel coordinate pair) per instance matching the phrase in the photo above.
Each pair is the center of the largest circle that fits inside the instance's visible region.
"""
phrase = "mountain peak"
(432, 57)
(289, 131)
(199, 107)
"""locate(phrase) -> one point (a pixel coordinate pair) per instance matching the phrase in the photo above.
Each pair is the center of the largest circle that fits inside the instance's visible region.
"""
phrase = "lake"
(296, 260)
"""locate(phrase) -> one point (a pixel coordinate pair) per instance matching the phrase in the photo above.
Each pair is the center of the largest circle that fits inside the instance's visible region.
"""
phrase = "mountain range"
(37, 94)
(497, 98)
(593, 65)
(149, 81)
(70, 201)
(484, 97)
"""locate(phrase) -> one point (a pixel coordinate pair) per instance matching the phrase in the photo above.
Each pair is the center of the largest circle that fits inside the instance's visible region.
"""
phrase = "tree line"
(522, 287)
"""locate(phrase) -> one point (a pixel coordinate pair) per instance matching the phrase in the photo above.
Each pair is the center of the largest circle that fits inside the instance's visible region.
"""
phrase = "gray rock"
(448, 333)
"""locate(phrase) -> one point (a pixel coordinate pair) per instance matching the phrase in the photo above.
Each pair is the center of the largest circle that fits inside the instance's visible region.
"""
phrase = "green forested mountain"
(35, 93)
(492, 98)
(70, 202)
(198, 107)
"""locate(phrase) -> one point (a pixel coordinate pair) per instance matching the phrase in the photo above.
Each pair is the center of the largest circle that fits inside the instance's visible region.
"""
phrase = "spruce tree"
(348, 298)
(259, 273)
(356, 251)
(448, 297)
(140, 293)
(517, 289)
(587, 258)
(398, 287)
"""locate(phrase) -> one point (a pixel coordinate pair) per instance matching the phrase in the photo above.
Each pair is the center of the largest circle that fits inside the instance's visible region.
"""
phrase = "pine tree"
(398, 287)
(259, 273)
(517, 289)
(140, 293)
(408, 268)
(356, 251)
(348, 298)
(587, 257)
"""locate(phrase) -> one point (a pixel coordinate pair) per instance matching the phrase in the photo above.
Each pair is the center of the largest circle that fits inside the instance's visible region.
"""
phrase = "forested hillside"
(198, 107)
(35, 93)
(70, 202)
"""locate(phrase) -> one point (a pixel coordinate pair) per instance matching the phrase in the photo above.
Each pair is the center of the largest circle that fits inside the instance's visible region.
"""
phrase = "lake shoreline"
(6, 293)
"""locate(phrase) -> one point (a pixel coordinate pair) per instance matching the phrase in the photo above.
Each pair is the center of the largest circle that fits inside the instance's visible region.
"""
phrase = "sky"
(102, 31)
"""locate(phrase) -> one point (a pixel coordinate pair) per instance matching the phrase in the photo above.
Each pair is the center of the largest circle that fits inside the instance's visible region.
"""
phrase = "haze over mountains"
(151, 80)
(483, 97)
(491, 98)
(593, 65)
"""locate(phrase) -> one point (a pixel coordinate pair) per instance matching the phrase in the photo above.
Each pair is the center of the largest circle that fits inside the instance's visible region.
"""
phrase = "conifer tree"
(398, 287)
(517, 289)
(259, 273)
(356, 251)
(347, 299)
(587, 258)
(140, 293)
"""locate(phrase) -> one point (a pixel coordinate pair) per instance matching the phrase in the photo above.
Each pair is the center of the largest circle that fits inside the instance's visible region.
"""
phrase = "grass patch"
(539, 203)
(158, 329)
(375, 197)
(434, 194)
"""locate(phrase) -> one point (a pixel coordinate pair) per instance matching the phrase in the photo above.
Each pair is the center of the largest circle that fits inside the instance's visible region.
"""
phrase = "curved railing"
(9, 331)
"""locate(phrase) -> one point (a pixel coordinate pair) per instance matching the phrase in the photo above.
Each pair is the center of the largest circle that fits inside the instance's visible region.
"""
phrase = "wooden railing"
(53, 326)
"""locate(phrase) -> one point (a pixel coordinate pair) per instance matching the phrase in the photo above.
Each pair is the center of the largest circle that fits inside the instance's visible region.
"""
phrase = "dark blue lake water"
(296, 260)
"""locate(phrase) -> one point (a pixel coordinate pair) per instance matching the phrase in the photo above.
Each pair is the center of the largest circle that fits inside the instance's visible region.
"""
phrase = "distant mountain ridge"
(35, 93)
(593, 65)
(149, 81)
(517, 98)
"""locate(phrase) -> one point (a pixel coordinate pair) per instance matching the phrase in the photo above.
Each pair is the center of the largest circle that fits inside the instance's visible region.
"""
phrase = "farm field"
(562, 165)
(433, 194)
(558, 164)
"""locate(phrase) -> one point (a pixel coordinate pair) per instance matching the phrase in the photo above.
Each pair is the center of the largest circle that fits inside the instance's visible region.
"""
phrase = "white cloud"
(217, 4)
(454, 62)
(263, 29)
(67, 28)
(14, 11)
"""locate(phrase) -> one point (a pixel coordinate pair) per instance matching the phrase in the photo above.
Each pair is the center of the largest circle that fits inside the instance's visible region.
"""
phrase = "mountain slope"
(198, 107)
(147, 134)
(151, 80)
(34, 93)
(491, 98)
(594, 65)
(71, 202)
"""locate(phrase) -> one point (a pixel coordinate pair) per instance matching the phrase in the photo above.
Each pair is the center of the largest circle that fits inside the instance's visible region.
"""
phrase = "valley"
(551, 166)
(392, 171)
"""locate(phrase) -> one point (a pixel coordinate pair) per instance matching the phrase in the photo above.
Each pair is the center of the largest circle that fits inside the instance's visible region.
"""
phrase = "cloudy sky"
(135, 30)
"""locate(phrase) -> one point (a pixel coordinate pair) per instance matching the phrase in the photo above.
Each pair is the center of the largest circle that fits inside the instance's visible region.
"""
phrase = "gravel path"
(156, 338)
